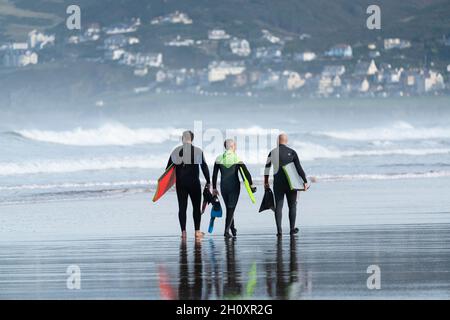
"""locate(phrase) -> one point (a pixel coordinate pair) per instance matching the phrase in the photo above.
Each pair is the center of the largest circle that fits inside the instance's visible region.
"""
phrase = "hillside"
(69, 71)
(338, 20)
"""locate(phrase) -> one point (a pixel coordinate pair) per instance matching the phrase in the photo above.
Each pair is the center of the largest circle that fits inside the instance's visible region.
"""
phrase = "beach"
(76, 204)
(126, 247)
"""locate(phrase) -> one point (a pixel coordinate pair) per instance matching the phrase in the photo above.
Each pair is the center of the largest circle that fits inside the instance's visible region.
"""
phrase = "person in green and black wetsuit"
(229, 165)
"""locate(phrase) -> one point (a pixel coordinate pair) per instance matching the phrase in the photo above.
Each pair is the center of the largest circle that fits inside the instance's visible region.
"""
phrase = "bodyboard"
(293, 178)
(247, 186)
(165, 182)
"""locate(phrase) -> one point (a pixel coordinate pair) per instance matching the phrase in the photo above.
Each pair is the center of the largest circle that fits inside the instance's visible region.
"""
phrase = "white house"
(267, 35)
(92, 32)
(218, 71)
(114, 54)
(218, 34)
(305, 56)
(116, 41)
(176, 17)
(325, 86)
(121, 28)
(140, 72)
(142, 59)
(20, 58)
(291, 80)
(333, 70)
(240, 47)
(364, 68)
(179, 42)
(304, 36)
(133, 40)
(434, 81)
(15, 46)
(364, 85)
(393, 75)
(268, 53)
(340, 51)
(396, 43)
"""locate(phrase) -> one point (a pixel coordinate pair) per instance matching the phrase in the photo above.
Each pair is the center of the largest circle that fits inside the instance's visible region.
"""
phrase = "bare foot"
(183, 235)
(199, 235)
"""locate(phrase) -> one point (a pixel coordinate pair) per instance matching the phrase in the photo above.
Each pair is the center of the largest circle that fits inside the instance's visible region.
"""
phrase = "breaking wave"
(108, 134)
(396, 132)
(67, 166)
(388, 176)
(121, 135)
(311, 151)
(306, 151)
(84, 185)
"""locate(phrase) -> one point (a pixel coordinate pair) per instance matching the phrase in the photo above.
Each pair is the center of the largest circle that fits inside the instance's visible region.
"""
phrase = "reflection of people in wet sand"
(279, 281)
(232, 286)
(213, 274)
(186, 290)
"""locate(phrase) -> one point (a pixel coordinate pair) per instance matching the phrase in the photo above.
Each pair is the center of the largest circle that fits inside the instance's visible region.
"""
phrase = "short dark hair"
(188, 133)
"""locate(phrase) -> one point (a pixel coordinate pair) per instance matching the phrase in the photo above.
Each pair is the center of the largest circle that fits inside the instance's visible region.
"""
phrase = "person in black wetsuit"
(229, 165)
(279, 157)
(187, 159)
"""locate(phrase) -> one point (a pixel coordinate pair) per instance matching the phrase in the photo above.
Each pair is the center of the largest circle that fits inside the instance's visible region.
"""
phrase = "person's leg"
(182, 196)
(229, 221)
(230, 199)
(232, 227)
(279, 201)
(196, 198)
(292, 203)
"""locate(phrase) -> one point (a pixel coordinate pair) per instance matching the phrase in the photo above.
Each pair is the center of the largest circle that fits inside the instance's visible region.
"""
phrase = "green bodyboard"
(247, 186)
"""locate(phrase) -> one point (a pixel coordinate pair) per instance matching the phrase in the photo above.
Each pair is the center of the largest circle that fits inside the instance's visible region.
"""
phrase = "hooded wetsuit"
(278, 158)
(229, 165)
(187, 160)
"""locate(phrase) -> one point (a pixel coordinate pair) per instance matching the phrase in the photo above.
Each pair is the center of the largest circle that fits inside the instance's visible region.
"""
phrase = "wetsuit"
(187, 160)
(229, 165)
(278, 158)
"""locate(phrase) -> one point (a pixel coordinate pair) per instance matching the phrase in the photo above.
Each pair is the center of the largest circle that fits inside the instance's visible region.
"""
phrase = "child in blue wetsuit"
(229, 165)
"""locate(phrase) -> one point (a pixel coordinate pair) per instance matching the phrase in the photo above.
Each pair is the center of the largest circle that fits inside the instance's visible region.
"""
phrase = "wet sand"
(128, 248)
(321, 263)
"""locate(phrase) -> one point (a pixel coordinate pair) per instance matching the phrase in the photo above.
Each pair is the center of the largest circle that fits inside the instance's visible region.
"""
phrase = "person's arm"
(205, 170)
(170, 162)
(215, 174)
(247, 173)
(299, 168)
(267, 170)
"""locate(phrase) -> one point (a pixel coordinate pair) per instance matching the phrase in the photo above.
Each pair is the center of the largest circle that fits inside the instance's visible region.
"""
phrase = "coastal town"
(236, 65)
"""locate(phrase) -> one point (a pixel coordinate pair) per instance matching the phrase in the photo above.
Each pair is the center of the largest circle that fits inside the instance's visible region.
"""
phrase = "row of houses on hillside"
(22, 54)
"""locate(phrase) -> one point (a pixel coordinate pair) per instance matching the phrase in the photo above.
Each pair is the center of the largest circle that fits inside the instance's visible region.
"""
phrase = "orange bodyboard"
(165, 182)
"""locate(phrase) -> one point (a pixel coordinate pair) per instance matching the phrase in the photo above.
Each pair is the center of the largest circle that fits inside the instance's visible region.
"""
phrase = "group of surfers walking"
(189, 160)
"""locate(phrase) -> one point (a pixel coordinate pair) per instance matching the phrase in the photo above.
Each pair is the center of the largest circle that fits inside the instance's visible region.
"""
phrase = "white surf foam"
(76, 165)
(108, 134)
(310, 151)
(84, 185)
(396, 132)
(306, 151)
(392, 176)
